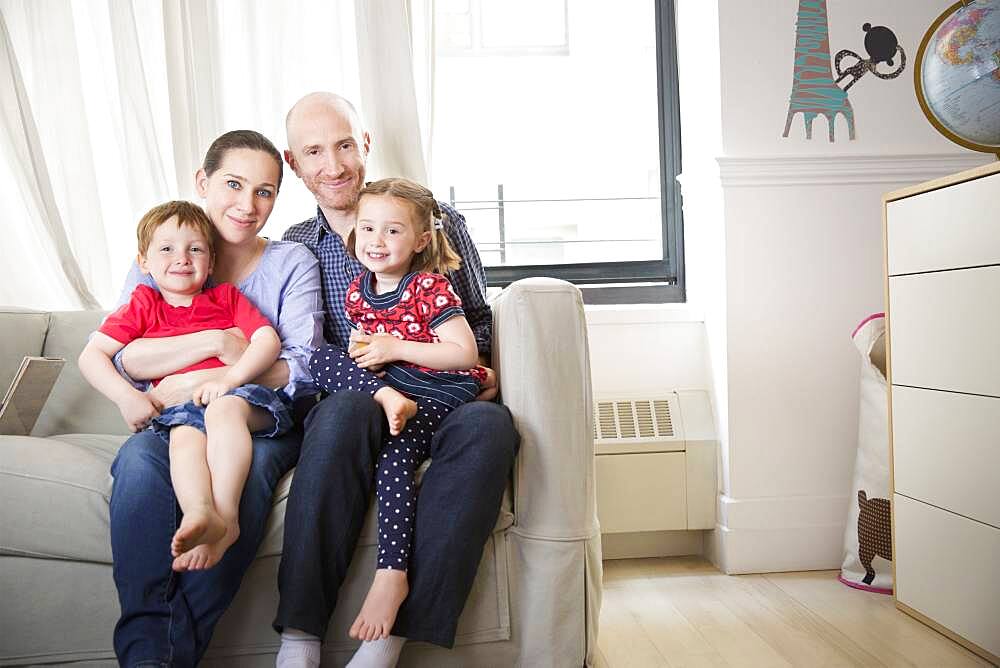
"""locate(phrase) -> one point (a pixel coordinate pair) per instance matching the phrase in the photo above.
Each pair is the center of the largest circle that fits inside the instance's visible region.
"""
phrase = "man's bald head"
(321, 102)
(328, 149)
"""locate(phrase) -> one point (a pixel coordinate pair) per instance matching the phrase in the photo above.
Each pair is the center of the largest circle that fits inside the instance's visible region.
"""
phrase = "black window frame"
(640, 282)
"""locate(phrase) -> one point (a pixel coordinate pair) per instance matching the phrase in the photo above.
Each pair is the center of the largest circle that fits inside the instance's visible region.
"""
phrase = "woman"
(168, 616)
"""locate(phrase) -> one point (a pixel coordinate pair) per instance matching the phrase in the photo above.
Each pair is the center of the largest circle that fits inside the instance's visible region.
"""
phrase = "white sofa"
(537, 594)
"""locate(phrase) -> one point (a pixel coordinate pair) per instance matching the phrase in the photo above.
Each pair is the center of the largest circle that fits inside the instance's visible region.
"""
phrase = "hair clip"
(437, 224)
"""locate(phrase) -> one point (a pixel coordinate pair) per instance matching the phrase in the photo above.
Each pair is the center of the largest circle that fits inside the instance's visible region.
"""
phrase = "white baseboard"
(778, 534)
(652, 544)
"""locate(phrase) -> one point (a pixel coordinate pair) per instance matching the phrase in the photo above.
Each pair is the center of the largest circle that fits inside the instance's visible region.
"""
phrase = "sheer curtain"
(39, 236)
(109, 105)
(388, 90)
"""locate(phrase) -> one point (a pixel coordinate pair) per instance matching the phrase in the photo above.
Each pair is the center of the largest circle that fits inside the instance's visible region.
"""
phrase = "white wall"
(646, 349)
(784, 258)
(803, 249)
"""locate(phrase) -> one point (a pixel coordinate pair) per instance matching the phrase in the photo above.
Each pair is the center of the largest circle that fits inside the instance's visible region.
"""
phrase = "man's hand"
(210, 391)
(138, 408)
(232, 343)
(488, 390)
(377, 351)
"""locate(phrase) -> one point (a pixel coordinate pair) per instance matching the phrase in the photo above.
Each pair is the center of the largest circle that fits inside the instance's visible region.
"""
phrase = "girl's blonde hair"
(437, 256)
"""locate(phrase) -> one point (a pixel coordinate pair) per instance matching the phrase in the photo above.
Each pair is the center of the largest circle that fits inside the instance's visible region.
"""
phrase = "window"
(556, 133)
(501, 27)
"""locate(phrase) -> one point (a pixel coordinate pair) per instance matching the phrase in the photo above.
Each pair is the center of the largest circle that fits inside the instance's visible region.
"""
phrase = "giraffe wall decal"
(813, 89)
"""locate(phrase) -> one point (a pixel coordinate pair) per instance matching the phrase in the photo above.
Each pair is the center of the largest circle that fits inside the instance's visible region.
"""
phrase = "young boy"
(209, 437)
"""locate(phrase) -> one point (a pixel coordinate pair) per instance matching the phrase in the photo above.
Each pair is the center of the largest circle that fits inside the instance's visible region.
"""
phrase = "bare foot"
(207, 555)
(378, 613)
(398, 408)
(198, 526)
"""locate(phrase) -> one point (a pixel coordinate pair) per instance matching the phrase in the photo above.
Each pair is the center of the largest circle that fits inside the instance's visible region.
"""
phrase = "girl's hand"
(381, 349)
(210, 391)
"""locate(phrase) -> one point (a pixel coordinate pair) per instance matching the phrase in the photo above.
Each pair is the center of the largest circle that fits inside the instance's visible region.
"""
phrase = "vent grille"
(638, 418)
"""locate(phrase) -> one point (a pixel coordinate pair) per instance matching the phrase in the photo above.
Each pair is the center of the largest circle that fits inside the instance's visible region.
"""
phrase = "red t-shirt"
(148, 316)
(412, 311)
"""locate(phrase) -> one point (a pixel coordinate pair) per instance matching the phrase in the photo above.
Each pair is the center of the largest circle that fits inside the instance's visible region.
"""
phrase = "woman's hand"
(374, 351)
(138, 408)
(179, 387)
(210, 391)
(231, 344)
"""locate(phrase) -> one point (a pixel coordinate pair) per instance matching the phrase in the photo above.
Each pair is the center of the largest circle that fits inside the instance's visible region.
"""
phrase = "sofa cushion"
(23, 334)
(54, 495)
(74, 407)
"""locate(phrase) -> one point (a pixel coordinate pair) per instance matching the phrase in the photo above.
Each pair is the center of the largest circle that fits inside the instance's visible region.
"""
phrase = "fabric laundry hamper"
(869, 531)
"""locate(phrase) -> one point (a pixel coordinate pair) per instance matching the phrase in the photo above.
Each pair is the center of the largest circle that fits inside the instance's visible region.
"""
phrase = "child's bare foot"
(398, 408)
(198, 526)
(378, 613)
(207, 555)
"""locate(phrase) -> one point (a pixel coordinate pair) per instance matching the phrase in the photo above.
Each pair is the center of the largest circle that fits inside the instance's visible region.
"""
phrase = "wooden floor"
(683, 612)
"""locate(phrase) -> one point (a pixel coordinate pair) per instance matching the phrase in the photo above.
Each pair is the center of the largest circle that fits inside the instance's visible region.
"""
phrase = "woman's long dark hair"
(237, 139)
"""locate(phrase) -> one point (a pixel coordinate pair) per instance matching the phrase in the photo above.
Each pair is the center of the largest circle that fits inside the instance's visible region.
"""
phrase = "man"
(472, 451)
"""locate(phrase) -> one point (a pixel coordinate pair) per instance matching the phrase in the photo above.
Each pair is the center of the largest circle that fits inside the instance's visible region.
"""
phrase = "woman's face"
(240, 194)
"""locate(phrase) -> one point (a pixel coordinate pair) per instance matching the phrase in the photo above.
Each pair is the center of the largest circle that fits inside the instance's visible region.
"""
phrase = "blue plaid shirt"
(338, 269)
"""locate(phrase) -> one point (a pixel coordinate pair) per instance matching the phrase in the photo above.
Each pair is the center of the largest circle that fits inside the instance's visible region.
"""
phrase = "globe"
(957, 74)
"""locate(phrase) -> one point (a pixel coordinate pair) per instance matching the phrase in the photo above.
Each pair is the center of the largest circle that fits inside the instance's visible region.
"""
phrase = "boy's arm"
(259, 356)
(137, 408)
(456, 350)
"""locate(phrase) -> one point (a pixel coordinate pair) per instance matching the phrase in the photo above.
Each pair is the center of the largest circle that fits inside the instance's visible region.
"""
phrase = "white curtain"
(388, 90)
(192, 71)
(46, 235)
(97, 151)
(109, 105)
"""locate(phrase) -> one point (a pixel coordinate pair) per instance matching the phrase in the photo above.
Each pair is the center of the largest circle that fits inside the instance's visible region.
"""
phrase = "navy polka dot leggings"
(334, 371)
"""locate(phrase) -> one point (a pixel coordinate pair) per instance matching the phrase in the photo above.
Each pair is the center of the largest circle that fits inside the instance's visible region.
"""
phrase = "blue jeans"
(167, 618)
(473, 450)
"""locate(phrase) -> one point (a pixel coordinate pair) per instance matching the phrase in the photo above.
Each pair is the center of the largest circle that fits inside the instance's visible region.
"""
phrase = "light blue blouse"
(285, 287)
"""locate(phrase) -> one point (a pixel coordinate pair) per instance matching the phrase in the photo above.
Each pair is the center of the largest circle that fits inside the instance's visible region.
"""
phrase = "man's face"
(328, 152)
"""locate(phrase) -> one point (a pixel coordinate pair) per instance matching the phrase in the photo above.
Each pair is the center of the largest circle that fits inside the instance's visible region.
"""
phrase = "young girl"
(176, 247)
(411, 327)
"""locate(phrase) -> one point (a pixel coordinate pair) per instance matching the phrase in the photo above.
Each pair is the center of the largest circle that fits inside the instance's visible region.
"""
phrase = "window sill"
(631, 293)
(641, 314)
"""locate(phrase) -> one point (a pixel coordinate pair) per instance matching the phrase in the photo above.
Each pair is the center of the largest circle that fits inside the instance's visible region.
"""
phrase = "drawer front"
(641, 492)
(945, 329)
(946, 569)
(946, 451)
(946, 228)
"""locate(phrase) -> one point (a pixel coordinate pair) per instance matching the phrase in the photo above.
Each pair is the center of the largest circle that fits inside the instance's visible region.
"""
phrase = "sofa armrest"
(542, 361)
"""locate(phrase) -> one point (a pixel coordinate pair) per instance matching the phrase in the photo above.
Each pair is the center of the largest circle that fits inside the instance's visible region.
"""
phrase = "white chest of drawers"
(942, 242)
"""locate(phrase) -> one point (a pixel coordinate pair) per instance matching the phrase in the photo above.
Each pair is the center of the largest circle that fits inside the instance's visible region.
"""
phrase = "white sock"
(298, 650)
(378, 653)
